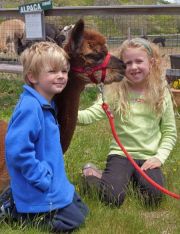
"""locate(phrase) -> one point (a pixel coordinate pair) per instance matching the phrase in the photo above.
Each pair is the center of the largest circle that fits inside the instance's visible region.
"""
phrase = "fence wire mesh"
(162, 29)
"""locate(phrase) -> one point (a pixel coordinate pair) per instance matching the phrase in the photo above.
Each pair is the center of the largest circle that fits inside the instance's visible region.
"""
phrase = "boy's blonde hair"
(118, 93)
(43, 56)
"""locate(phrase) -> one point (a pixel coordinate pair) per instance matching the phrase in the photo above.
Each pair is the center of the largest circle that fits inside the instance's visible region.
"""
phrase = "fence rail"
(10, 68)
(104, 10)
(116, 23)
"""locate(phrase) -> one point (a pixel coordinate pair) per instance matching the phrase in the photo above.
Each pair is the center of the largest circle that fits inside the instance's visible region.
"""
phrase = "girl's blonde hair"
(118, 93)
(43, 56)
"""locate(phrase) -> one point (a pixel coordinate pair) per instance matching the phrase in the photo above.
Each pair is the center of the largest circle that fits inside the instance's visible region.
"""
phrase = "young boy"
(34, 156)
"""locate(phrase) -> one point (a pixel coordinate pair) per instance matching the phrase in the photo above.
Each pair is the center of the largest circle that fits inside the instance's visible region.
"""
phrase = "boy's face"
(50, 82)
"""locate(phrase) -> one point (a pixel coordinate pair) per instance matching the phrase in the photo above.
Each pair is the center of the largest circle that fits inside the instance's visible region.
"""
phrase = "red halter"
(90, 70)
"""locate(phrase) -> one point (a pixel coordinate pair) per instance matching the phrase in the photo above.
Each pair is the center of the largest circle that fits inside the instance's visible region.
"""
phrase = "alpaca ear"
(77, 36)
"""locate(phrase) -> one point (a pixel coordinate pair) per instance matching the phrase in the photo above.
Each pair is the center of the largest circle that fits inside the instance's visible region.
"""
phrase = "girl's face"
(137, 67)
(50, 82)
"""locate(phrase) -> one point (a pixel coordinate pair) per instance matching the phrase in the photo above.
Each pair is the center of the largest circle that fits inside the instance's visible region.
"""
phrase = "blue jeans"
(61, 220)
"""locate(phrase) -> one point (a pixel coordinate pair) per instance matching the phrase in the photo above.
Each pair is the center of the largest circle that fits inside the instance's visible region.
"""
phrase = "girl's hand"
(151, 164)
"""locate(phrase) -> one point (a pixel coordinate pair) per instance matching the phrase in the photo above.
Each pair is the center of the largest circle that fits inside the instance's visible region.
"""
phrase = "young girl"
(40, 188)
(145, 124)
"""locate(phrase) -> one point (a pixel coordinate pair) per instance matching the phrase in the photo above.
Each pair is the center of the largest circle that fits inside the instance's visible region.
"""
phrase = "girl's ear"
(31, 78)
(152, 61)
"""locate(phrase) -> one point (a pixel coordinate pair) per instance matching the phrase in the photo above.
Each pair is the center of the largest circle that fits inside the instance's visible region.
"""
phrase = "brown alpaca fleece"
(4, 178)
(10, 31)
(86, 49)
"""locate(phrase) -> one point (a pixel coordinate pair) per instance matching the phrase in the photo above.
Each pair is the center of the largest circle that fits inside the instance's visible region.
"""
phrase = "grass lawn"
(91, 143)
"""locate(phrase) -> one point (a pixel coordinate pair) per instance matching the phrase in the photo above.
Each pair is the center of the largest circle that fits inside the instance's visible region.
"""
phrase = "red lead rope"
(111, 121)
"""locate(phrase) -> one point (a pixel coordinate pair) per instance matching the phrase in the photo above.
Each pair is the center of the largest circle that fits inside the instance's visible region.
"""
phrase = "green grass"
(91, 143)
(10, 89)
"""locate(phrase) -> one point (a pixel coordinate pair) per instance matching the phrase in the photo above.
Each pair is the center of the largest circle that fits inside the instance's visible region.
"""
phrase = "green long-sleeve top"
(142, 132)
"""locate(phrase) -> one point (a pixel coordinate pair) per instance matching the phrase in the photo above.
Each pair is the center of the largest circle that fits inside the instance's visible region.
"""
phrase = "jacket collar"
(42, 100)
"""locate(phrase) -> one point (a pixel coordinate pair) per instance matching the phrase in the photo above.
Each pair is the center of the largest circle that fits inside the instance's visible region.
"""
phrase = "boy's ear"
(31, 78)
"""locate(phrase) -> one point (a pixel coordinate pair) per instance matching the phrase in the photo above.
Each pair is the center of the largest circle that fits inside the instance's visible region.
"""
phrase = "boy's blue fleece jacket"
(34, 156)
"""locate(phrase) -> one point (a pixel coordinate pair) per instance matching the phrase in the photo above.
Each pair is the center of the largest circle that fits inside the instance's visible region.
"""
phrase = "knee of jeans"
(153, 197)
(154, 192)
(63, 224)
(112, 196)
(119, 197)
(78, 221)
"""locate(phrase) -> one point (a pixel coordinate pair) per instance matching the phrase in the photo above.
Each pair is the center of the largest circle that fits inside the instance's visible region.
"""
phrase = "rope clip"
(101, 90)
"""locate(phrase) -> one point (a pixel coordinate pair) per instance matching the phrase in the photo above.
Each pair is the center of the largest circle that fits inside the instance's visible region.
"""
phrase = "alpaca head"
(88, 51)
(65, 32)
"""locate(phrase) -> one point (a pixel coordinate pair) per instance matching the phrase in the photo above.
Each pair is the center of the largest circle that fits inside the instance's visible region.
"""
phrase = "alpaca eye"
(94, 56)
(89, 56)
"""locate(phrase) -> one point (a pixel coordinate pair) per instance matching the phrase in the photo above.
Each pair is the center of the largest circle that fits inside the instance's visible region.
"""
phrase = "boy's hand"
(151, 164)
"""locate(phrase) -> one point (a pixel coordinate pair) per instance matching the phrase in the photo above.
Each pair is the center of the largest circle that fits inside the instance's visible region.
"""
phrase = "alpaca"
(87, 52)
(86, 49)
(159, 40)
(4, 178)
(144, 37)
(66, 32)
(52, 33)
(156, 40)
(10, 32)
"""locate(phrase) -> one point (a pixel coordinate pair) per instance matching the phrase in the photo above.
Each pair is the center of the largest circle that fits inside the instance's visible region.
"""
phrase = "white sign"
(34, 26)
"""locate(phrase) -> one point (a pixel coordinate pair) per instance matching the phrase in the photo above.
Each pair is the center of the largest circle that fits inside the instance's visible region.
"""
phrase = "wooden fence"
(116, 23)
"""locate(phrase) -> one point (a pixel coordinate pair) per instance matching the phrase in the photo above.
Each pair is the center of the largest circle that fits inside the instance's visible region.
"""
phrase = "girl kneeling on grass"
(145, 124)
